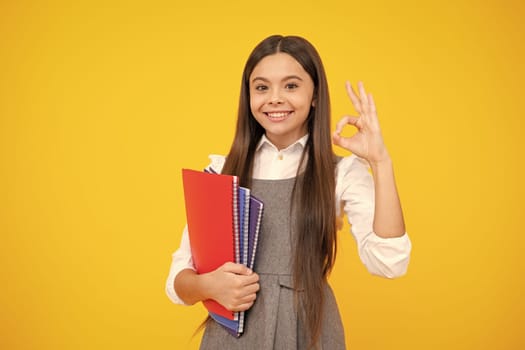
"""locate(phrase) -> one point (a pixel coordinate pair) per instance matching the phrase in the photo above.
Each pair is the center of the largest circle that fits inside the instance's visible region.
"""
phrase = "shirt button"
(280, 157)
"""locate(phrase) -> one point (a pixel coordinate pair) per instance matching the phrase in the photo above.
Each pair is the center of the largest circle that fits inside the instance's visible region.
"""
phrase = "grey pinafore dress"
(273, 322)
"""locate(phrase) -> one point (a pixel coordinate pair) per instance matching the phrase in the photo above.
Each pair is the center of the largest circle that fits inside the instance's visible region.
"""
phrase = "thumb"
(348, 143)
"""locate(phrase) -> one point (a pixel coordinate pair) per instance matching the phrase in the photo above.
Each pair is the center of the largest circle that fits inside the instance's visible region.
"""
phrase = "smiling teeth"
(278, 114)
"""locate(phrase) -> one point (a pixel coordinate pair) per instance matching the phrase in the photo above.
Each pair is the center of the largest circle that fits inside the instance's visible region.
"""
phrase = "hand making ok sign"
(367, 142)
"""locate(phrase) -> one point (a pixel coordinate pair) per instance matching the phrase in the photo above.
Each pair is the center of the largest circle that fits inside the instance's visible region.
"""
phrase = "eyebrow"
(284, 79)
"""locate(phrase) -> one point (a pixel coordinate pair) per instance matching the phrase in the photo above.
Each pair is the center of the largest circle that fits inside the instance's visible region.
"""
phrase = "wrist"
(190, 286)
(379, 164)
(205, 285)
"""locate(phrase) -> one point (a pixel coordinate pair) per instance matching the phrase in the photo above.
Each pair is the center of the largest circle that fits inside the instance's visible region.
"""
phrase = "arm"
(372, 205)
(388, 216)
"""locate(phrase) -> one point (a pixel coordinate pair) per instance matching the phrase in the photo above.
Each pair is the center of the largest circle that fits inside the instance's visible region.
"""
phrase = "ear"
(314, 101)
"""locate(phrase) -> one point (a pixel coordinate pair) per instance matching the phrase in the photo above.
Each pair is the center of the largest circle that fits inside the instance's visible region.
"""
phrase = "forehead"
(278, 66)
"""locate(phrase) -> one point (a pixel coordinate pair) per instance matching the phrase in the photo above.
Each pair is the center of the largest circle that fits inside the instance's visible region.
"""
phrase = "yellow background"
(103, 102)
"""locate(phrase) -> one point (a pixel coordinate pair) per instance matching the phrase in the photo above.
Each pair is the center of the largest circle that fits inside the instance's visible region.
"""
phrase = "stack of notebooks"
(223, 225)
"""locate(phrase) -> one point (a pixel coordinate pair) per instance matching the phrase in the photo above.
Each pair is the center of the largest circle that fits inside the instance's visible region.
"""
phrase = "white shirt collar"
(265, 141)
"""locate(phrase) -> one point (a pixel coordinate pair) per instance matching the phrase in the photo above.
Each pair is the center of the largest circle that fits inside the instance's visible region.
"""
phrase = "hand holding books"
(234, 286)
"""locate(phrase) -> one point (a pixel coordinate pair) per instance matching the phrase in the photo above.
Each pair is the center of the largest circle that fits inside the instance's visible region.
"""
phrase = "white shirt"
(354, 192)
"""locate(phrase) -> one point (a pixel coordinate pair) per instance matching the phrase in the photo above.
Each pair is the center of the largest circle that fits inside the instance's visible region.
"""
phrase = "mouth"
(278, 116)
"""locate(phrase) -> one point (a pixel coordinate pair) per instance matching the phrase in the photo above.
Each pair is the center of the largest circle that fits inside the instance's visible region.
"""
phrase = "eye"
(291, 86)
(261, 87)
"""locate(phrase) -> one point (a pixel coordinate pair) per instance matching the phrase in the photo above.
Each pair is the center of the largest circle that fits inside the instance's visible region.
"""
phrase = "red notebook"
(211, 207)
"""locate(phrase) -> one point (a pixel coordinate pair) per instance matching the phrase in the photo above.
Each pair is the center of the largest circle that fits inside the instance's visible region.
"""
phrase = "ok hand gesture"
(367, 142)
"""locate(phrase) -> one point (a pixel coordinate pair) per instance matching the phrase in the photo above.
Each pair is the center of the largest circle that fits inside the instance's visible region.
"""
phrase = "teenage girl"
(282, 150)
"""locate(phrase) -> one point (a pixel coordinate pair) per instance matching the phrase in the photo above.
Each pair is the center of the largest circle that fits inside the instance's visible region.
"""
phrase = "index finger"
(347, 119)
(236, 268)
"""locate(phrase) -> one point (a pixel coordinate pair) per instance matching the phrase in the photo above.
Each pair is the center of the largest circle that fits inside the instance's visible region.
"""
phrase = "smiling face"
(281, 95)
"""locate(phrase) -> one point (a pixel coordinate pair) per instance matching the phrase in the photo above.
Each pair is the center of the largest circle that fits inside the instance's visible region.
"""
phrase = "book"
(244, 224)
(228, 230)
(211, 212)
(254, 226)
(231, 326)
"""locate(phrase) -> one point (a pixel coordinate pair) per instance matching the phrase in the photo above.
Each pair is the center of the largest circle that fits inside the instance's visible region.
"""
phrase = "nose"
(275, 98)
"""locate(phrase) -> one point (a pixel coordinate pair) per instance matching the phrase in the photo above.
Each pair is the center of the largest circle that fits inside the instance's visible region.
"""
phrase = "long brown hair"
(314, 190)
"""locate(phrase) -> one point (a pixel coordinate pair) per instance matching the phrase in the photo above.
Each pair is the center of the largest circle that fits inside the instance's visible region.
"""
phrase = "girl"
(282, 150)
